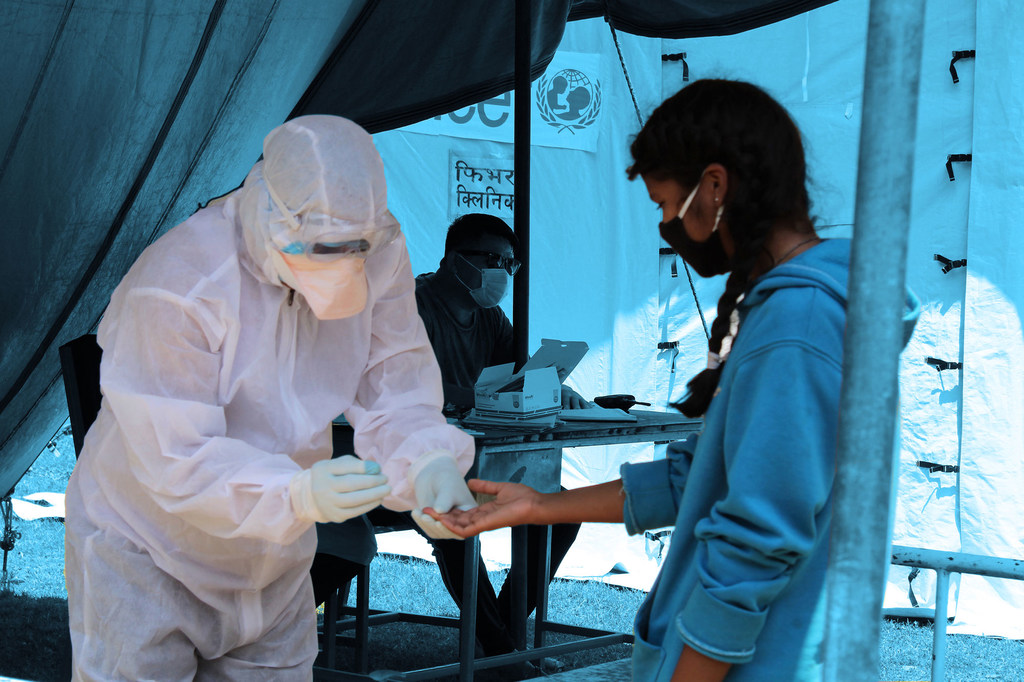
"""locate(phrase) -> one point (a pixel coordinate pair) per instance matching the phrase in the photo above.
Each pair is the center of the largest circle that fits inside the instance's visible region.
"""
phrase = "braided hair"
(741, 127)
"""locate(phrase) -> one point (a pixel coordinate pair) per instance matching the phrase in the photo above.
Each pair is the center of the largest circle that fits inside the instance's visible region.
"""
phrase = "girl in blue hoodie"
(742, 591)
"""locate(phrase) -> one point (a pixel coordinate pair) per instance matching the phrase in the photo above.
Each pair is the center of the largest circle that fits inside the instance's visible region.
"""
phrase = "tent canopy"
(121, 118)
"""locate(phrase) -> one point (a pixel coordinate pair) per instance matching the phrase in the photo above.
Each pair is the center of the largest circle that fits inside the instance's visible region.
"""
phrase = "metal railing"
(944, 563)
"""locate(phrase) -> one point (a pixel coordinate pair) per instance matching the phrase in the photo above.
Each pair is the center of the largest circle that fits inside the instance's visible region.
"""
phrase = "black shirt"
(463, 351)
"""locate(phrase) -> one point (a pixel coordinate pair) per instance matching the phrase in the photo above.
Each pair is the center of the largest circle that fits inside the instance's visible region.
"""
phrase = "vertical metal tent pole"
(521, 282)
(939, 626)
(859, 557)
(521, 164)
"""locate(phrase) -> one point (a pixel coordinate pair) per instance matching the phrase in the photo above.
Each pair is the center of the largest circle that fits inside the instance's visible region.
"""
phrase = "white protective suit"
(184, 557)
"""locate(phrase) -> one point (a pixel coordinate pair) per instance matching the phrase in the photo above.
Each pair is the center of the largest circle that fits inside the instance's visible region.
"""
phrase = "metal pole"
(467, 615)
(858, 556)
(521, 165)
(958, 562)
(939, 634)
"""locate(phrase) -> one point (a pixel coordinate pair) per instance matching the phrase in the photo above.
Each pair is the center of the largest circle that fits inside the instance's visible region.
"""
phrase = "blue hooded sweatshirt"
(751, 495)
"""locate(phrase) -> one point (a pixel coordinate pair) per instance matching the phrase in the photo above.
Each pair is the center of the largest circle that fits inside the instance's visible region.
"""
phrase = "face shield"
(315, 208)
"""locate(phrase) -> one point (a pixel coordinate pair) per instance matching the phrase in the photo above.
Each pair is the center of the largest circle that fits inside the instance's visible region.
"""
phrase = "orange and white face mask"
(334, 290)
(324, 257)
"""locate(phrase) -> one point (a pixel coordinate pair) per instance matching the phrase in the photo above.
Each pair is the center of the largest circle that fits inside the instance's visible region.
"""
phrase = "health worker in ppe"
(228, 349)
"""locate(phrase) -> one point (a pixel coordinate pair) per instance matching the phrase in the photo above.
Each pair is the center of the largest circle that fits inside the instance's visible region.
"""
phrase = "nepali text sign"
(480, 186)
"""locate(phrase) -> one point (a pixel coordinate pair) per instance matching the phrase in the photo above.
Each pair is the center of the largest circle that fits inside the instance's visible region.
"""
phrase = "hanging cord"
(625, 72)
(9, 535)
(640, 120)
(695, 300)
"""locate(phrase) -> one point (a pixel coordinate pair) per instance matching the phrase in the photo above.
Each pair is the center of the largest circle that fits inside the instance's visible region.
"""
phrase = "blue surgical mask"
(493, 282)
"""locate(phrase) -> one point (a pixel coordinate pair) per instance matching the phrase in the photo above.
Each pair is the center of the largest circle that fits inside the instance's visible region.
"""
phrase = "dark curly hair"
(741, 127)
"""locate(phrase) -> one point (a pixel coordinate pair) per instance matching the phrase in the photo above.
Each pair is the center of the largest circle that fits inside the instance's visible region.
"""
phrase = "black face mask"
(707, 258)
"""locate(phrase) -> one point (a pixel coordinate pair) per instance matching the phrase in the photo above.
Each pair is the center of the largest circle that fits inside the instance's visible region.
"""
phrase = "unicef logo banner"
(568, 104)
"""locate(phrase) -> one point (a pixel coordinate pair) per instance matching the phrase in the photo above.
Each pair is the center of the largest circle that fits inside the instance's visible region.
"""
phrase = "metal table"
(533, 458)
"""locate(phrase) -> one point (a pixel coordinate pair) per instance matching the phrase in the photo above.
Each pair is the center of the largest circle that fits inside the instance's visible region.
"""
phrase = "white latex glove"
(437, 483)
(337, 489)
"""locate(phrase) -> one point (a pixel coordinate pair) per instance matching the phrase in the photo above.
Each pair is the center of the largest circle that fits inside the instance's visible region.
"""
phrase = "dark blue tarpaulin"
(120, 117)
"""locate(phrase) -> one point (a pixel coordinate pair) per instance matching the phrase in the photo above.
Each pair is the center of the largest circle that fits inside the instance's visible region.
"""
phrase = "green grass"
(905, 650)
(34, 643)
(36, 564)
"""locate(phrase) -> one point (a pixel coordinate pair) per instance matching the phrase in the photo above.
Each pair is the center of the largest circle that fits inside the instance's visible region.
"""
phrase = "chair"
(359, 617)
(80, 363)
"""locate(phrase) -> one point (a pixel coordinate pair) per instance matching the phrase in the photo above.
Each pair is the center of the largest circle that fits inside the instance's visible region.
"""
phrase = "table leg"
(543, 569)
(517, 605)
(467, 616)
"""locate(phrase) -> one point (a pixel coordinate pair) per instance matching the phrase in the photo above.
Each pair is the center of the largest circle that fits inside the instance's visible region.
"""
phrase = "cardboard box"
(534, 390)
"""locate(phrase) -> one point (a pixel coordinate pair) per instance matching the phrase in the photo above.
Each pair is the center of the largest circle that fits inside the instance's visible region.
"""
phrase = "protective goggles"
(495, 260)
(334, 244)
(335, 238)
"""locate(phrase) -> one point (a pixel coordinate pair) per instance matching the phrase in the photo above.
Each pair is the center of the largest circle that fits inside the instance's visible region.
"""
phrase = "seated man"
(468, 331)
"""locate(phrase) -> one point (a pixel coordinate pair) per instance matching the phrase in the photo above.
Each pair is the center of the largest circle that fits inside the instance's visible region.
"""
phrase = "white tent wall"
(926, 513)
(595, 276)
(992, 445)
(814, 64)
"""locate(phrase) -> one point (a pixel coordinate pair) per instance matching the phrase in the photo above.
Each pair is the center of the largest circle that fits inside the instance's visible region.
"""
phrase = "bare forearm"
(600, 503)
(514, 504)
(694, 666)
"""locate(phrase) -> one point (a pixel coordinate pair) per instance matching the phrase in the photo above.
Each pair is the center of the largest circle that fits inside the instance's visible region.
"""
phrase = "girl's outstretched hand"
(513, 504)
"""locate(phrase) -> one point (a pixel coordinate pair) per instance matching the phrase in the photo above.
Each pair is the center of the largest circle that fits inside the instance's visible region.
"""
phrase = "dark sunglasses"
(495, 260)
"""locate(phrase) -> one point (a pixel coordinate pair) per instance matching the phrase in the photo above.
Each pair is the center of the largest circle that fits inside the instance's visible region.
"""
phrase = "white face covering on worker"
(312, 231)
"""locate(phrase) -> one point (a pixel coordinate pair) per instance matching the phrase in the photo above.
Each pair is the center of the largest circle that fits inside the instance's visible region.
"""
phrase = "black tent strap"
(933, 467)
(955, 158)
(678, 57)
(654, 543)
(670, 252)
(941, 365)
(129, 201)
(674, 347)
(957, 56)
(948, 264)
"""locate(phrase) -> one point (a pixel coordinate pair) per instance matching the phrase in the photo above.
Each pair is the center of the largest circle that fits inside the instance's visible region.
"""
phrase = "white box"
(534, 390)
